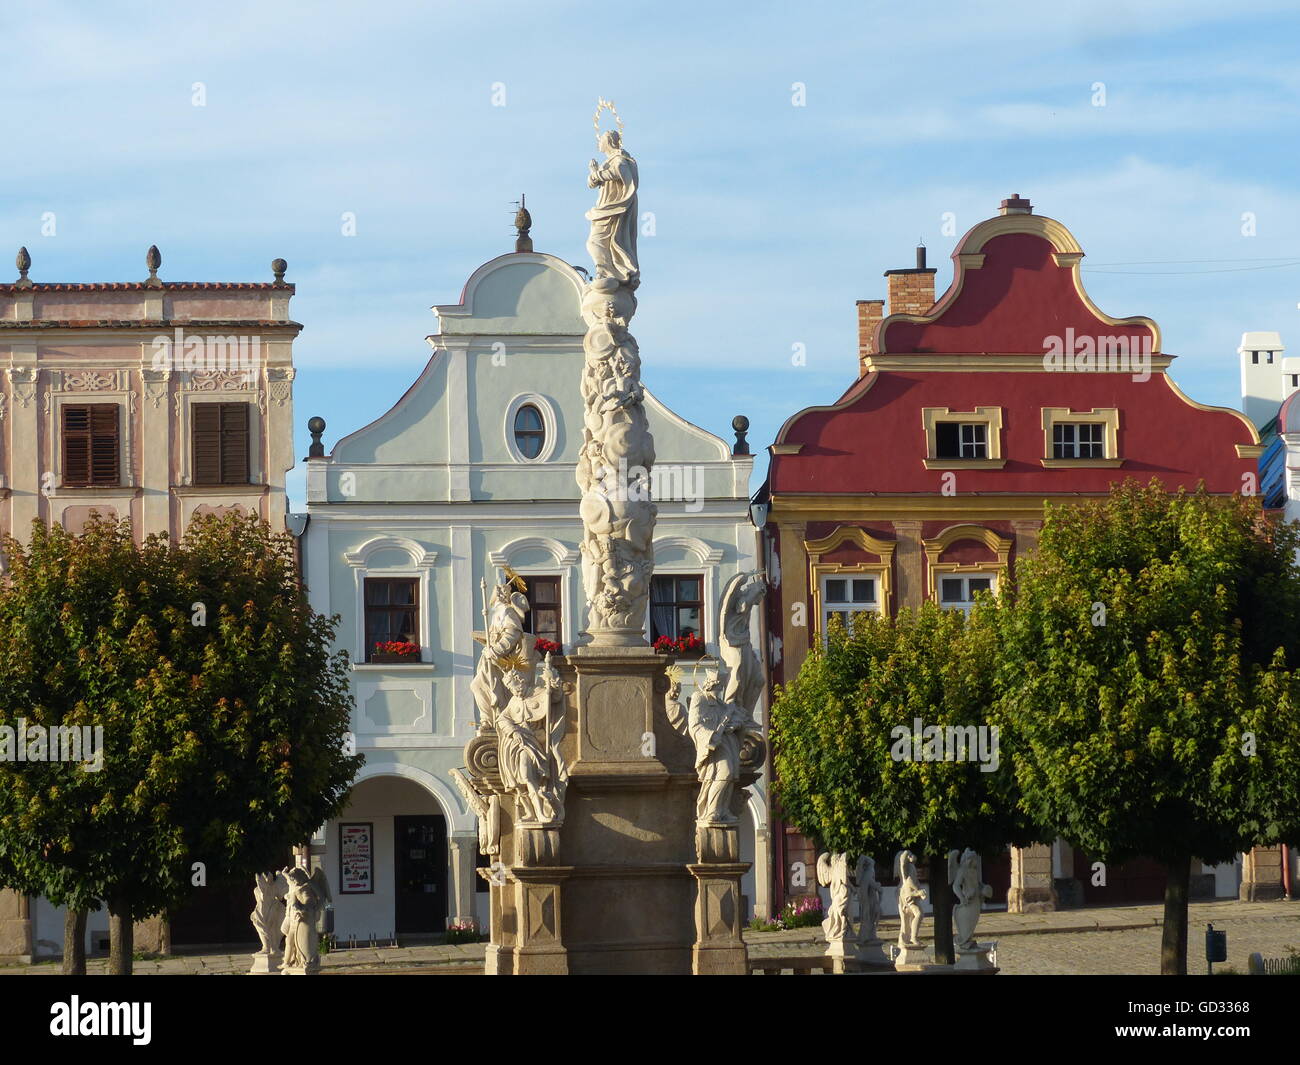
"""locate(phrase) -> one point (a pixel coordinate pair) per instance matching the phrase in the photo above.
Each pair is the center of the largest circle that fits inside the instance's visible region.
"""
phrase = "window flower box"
(394, 652)
(690, 646)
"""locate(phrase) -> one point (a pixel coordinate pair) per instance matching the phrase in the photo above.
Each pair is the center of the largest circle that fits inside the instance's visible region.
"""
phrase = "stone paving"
(1110, 940)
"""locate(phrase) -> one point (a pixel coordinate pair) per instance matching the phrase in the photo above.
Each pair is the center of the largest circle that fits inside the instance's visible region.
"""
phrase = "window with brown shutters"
(91, 450)
(220, 433)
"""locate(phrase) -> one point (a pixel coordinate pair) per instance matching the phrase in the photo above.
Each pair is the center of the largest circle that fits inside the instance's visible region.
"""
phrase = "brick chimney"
(870, 312)
(911, 291)
(1015, 205)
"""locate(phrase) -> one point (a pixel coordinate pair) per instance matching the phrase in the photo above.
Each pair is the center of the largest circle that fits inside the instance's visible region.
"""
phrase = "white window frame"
(848, 576)
(550, 427)
(967, 601)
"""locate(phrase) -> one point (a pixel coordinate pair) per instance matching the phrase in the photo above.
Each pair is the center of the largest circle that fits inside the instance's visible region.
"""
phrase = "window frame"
(539, 433)
(530, 582)
(966, 604)
(678, 604)
(849, 607)
(413, 609)
(1106, 417)
(222, 406)
(90, 438)
(988, 417)
(550, 427)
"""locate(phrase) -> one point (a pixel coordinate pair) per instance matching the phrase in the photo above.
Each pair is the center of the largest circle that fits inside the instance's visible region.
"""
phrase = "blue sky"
(771, 219)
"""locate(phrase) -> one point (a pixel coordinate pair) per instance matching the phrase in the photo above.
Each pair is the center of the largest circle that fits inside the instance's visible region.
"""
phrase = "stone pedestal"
(719, 944)
(265, 961)
(1032, 890)
(625, 884)
(976, 958)
(873, 954)
(15, 926)
(1261, 875)
(911, 958)
(310, 969)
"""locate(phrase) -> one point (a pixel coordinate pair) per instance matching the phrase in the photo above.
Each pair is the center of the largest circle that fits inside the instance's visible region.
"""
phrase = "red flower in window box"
(547, 647)
(391, 651)
(681, 645)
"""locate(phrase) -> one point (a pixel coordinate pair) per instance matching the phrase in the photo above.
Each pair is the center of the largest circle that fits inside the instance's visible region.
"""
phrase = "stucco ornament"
(833, 873)
(869, 892)
(744, 670)
(529, 728)
(305, 897)
(965, 874)
(617, 453)
(910, 897)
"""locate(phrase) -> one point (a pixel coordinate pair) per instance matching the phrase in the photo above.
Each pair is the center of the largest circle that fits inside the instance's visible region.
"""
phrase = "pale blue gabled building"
(472, 470)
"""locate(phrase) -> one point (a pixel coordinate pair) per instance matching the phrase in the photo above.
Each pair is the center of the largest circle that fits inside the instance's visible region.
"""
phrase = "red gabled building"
(927, 478)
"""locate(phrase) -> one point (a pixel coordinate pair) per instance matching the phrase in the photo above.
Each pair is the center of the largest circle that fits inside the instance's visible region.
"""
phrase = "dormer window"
(963, 440)
(1080, 438)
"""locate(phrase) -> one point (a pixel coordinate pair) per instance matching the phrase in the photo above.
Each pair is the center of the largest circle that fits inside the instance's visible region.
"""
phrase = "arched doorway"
(388, 862)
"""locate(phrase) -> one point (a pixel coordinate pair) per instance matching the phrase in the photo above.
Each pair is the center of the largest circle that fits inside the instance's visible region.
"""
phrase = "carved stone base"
(539, 936)
(265, 961)
(873, 954)
(911, 958)
(840, 951)
(538, 844)
(978, 958)
(717, 842)
(310, 969)
(719, 948)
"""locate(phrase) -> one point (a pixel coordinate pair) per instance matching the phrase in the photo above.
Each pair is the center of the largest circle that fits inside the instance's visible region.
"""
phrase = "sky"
(789, 153)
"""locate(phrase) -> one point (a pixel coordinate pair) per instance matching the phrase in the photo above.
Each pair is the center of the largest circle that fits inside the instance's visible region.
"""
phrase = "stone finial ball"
(153, 257)
(278, 267)
(316, 425)
(740, 423)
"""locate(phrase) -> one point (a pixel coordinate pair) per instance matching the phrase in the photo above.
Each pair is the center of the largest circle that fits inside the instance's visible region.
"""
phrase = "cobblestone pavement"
(1110, 940)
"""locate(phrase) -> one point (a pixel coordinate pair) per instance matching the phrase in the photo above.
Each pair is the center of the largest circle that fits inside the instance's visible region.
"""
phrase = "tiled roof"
(140, 286)
(149, 323)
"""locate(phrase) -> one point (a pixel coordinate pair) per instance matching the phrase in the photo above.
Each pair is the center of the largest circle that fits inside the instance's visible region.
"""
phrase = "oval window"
(530, 433)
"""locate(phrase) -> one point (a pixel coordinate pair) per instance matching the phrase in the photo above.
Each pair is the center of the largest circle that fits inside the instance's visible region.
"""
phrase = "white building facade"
(473, 471)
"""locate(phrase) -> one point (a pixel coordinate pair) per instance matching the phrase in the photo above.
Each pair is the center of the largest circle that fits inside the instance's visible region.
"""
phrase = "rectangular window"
(90, 444)
(1078, 440)
(392, 612)
(543, 618)
(220, 438)
(959, 593)
(961, 440)
(676, 606)
(842, 597)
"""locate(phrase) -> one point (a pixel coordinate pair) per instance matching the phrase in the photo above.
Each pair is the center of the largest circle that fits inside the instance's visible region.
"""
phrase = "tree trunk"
(121, 932)
(74, 943)
(1173, 940)
(941, 900)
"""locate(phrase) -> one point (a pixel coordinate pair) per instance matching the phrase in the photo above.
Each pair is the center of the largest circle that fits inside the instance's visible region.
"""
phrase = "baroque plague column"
(584, 773)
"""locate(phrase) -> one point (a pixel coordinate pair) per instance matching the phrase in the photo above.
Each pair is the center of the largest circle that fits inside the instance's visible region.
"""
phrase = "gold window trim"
(881, 570)
(989, 417)
(934, 549)
(1107, 416)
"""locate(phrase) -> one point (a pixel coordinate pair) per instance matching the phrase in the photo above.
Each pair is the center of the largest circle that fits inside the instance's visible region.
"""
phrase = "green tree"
(852, 770)
(224, 715)
(1148, 694)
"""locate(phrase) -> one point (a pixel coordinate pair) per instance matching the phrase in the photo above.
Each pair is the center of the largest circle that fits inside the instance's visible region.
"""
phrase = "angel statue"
(503, 619)
(833, 872)
(869, 892)
(304, 901)
(910, 897)
(966, 877)
(745, 671)
(268, 905)
(531, 767)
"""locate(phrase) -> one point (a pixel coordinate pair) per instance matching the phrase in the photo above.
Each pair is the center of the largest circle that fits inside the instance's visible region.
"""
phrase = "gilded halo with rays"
(606, 105)
(515, 579)
(709, 662)
(674, 673)
(513, 663)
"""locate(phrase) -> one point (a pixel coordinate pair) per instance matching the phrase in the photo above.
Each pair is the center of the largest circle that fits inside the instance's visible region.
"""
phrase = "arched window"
(530, 433)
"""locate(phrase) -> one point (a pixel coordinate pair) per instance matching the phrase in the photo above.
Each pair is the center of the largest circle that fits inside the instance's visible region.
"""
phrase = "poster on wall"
(356, 859)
